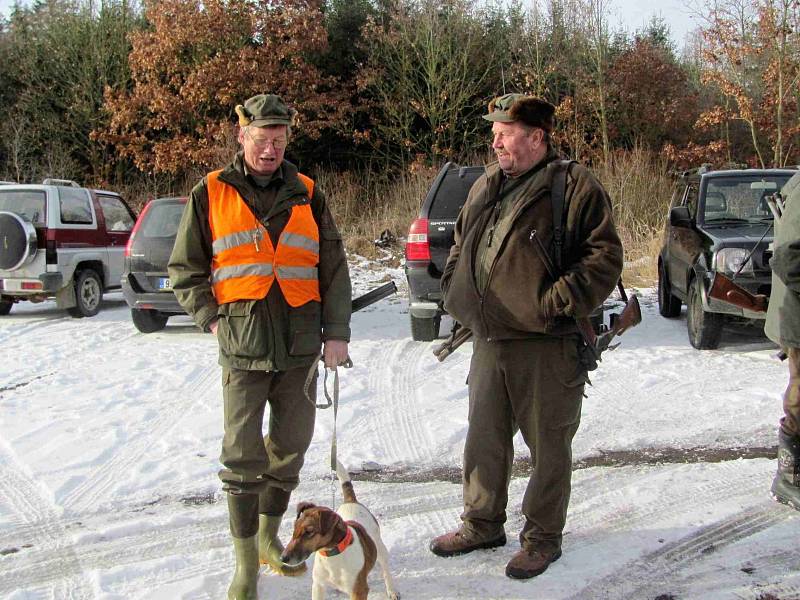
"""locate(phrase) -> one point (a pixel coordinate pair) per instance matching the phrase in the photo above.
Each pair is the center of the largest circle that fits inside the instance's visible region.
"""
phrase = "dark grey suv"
(719, 221)
(145, 282)
(428, 245)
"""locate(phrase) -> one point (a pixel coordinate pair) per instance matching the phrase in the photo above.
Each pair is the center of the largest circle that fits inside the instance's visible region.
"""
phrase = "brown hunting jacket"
(521, 299)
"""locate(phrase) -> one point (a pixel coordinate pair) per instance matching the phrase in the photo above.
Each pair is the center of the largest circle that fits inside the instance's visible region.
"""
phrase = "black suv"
(718, 221)
(145, 282)
(428, 245)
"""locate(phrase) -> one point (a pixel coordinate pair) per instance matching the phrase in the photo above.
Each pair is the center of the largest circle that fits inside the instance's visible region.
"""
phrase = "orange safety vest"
(245, 263)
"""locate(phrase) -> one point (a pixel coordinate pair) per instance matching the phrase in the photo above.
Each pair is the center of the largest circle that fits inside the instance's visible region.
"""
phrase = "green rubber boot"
(270, 547)
(245, 580)
(786, 485)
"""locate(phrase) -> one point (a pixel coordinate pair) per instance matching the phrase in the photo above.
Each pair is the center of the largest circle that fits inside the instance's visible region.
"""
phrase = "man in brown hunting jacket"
(526, 373)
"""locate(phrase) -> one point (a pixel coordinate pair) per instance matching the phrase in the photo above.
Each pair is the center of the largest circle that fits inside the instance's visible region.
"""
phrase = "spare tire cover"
(17, 241)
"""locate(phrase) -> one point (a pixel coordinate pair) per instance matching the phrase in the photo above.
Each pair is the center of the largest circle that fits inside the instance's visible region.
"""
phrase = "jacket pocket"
(305, 329)
(242, 329)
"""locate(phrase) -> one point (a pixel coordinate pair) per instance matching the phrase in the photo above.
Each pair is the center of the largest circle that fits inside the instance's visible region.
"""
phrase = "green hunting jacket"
(520, 298)
(783, 316)
(265, 334)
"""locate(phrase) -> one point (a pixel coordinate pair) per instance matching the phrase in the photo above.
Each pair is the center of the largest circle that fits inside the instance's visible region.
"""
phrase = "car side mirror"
(679, 217)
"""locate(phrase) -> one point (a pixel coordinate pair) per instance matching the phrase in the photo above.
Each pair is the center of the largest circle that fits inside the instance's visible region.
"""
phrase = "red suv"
(60, 240)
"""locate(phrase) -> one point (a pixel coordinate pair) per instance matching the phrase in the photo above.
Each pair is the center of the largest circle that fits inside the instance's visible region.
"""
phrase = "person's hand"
(213, 327)
(761, 301)
(334, 353)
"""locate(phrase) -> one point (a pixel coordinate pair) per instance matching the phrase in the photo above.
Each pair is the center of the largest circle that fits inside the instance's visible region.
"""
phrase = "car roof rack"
(61, 182)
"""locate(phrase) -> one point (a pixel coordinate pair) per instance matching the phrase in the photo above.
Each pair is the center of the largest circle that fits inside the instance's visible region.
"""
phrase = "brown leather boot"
(530, 563)
(459, 542)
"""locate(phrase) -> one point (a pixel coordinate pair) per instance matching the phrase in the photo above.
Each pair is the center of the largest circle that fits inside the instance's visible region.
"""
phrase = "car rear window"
(26, 203)
(162, 219)
(452, 193)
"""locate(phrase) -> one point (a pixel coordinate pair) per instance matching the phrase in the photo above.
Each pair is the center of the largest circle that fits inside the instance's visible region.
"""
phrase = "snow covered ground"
(109, 441)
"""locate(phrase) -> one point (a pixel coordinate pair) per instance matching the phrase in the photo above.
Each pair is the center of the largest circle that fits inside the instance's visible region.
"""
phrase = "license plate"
(164, 283)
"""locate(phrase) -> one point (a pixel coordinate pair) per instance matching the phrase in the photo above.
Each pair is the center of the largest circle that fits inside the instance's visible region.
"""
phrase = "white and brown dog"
(347, 542)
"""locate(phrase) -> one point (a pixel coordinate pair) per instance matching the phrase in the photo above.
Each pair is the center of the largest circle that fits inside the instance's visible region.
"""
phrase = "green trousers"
(534, 386)
(259, 472)
(790, 423)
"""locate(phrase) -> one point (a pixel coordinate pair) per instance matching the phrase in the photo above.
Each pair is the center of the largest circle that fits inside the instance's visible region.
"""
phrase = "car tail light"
(31, 285)
(129, 245)
(417, 243)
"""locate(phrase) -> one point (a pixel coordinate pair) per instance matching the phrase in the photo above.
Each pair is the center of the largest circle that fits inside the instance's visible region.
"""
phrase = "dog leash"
(330, 401)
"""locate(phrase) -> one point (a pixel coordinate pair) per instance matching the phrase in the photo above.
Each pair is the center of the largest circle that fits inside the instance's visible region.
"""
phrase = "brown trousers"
(790, 423)
(534, 386)
(259, 472)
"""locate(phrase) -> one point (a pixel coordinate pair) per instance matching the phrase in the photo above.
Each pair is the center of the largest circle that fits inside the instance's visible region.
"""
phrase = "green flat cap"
(263, 110)
(519, 107)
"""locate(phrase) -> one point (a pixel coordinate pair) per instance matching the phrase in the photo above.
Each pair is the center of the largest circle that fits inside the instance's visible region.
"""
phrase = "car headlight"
(729, 260)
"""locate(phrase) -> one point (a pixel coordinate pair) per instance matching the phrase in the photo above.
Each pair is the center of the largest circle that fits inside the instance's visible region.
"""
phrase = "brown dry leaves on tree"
(198, 60)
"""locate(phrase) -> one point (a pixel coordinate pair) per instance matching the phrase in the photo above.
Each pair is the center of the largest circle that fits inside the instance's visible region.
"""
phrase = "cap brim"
(269, 121)
(500, 116)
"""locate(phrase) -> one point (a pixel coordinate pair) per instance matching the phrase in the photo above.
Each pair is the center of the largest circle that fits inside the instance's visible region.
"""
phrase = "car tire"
(705, 328)
(5, 306)
(88, 294)
(668, 305)
(425, 329)
(148, 321)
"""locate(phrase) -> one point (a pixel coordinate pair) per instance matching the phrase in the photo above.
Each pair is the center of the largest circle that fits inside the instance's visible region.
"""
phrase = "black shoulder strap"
(558, 193)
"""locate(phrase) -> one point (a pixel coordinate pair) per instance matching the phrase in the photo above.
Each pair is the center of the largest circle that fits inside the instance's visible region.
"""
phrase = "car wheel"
(705, 328)
(668, 305)
(425, 329)
(88, 294)
(5, 306)
(148, 321)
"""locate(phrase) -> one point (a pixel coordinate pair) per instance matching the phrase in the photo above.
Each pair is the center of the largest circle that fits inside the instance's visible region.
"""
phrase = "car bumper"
(47, 284)
(424, 291)
(164, 302)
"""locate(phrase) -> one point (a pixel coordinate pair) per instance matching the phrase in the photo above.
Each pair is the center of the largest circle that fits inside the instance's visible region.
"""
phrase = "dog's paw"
(394, 596)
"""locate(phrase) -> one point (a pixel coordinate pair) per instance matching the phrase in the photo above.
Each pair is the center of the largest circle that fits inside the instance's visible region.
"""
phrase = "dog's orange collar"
(341, 546)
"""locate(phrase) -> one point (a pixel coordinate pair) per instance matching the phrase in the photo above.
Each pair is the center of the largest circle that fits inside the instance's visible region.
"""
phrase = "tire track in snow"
(656, 572)
(400, 424)
(91, 491)
(599, 523)
(29, 507)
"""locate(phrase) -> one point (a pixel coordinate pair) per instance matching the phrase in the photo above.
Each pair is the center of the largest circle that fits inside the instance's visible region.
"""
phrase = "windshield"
(740, 199)
(162, 219)
(26, 203)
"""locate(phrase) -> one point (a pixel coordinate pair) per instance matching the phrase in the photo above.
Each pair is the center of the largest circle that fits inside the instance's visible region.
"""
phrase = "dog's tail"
(348, 492)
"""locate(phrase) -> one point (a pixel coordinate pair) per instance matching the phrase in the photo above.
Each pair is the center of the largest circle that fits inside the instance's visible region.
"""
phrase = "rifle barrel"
(372, 296)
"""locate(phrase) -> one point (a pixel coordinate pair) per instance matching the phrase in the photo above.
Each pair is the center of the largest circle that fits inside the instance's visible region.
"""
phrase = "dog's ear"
(301, 506)
(331, 521)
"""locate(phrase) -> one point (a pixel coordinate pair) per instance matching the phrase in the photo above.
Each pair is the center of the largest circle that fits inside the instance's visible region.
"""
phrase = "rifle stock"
(458, 336)
(725, 289)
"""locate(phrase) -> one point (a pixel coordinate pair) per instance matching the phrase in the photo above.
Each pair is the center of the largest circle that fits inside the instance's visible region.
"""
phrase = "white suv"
(59, 240)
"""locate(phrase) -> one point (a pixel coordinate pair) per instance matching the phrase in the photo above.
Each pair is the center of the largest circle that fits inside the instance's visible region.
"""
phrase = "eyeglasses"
(263, 142)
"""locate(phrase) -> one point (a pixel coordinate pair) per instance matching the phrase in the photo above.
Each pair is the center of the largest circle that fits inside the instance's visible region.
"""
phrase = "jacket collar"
(291, 189)
(495, 177)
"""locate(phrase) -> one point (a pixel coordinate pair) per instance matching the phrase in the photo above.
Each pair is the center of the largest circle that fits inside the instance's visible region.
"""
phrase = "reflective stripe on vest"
(245, 263)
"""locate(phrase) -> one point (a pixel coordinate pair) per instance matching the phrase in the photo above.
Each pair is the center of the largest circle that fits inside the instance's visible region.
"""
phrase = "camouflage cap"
(263, 110)
(519, 107)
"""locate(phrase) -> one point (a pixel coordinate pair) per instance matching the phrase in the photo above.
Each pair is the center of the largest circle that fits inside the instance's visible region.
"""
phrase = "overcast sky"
(630, 14)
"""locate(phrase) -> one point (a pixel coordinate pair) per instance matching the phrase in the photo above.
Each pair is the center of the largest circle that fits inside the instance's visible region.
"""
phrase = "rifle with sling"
(630, 316)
